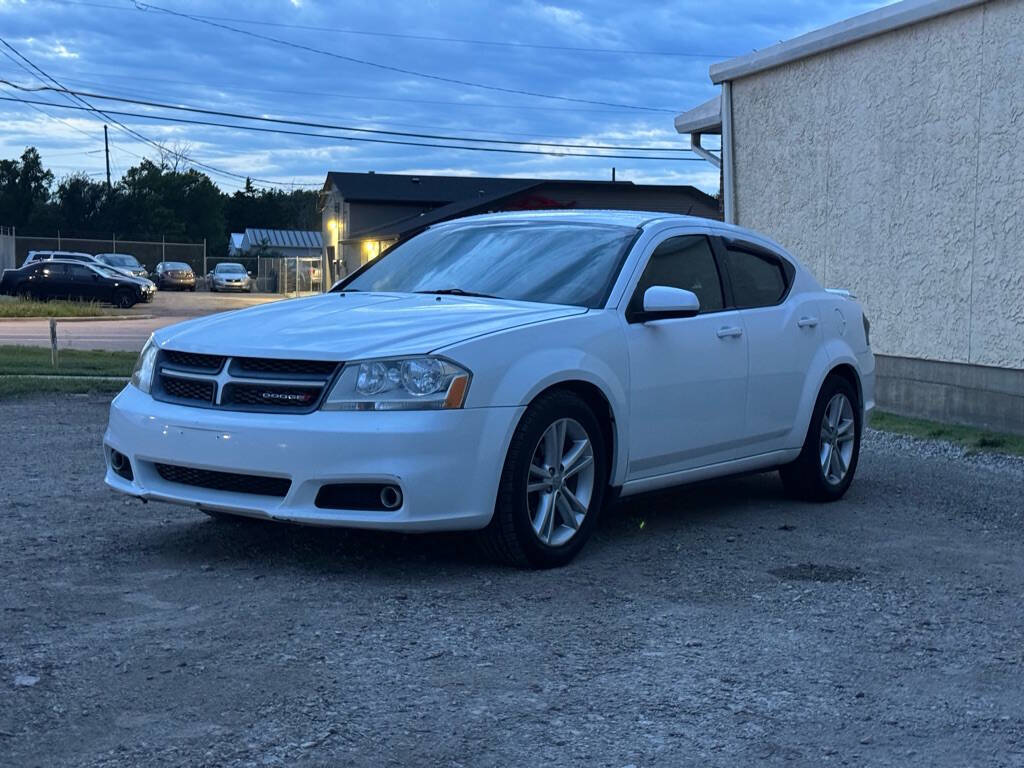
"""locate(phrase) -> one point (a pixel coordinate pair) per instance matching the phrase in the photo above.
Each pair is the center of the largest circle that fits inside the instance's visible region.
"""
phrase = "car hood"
(352, 326)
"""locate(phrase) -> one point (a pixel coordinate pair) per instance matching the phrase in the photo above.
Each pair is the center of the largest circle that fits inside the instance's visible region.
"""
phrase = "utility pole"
(106, 149)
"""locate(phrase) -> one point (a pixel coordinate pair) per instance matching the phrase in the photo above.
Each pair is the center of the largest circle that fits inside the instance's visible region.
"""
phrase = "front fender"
(512, 367)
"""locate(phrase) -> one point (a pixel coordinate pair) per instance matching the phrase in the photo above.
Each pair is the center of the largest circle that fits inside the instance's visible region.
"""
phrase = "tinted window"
(683, 262)
(550, 262)
(757, 280)
(80, 272)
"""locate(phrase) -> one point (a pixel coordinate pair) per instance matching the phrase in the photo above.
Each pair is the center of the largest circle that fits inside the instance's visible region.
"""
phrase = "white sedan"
(508, 374)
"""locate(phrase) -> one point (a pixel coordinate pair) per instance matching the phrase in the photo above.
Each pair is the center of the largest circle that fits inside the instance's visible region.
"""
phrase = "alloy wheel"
(838, 431)
(561, 482)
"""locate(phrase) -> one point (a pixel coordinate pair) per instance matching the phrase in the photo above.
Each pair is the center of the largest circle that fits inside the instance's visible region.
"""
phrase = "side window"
(757, 280)
(52, 271)
(683, 262)
(79, 272)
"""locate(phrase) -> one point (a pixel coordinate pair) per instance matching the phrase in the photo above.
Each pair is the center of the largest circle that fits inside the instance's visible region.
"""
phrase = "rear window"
(758, 280)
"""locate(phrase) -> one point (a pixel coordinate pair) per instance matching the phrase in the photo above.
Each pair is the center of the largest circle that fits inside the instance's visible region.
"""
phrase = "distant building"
(281, 242)
(885, 151)
(235, 244)
(364, 213)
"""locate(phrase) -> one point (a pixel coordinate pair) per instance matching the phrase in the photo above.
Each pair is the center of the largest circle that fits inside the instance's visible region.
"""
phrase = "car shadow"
(243, 542)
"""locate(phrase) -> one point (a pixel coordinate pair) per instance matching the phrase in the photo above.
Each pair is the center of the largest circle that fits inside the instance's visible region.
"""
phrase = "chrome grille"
(259, 485)
(242, 383)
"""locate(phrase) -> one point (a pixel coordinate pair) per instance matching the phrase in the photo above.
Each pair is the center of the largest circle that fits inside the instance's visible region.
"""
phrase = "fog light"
(390, 497)
(121, 465)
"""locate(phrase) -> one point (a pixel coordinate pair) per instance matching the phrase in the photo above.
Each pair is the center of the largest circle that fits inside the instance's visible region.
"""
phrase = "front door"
(688, 376)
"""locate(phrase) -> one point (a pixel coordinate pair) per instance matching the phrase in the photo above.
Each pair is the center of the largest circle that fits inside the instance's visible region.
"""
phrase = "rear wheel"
(552, 485)
(827, 463)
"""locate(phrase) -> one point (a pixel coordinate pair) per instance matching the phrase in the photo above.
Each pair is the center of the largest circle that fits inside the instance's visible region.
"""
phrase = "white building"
(886, 152)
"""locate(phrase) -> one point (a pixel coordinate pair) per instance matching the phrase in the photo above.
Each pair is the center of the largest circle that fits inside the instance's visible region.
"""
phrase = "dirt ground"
(719, 625)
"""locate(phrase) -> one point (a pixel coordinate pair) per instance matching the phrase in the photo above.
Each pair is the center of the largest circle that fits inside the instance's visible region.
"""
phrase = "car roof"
(639, 219)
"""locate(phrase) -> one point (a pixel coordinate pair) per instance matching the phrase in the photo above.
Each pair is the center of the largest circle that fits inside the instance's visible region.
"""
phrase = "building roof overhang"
(707, 118)
(846, 32)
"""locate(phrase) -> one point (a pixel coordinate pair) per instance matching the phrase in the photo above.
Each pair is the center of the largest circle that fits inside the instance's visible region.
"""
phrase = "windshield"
(547, 262)
(119, 259)
(176, 265)
(107, 271)
(230, 268)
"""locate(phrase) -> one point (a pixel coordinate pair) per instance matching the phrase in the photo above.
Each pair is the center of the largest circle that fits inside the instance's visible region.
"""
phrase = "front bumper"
(231, 286)
(177, 282)
(447, 463)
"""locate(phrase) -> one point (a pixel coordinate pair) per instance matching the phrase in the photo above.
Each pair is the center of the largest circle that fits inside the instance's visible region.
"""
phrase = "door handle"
(807, 322)
(729, 330)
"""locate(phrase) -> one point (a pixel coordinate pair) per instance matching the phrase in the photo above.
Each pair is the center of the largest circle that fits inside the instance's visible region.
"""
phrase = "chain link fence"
(7, 248)
(148, 252)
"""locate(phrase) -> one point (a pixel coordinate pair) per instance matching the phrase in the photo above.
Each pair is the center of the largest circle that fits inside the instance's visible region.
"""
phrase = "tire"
(123, 300)
(520, 532)
(805, 478)
(192, 289)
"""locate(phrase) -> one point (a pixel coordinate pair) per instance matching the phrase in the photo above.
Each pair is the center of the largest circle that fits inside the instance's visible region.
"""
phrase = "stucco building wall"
(895, 167)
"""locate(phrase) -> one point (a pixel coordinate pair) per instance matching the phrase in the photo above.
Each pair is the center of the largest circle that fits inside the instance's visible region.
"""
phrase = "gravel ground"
(720, 625)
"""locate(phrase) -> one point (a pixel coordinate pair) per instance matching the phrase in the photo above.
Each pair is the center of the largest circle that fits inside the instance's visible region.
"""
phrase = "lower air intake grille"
(188, 389)
(225, 481)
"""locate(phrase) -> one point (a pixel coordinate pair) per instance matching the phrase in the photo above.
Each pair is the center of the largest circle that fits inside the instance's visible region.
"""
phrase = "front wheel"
(827, 463)
(123, 300)
(552, 485)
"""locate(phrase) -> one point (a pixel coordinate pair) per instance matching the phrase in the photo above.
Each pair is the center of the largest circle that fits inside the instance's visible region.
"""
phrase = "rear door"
(687, 376)
(783, 335)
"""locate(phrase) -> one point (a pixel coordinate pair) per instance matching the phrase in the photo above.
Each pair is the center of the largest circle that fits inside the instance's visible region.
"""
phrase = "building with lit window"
(365, 213)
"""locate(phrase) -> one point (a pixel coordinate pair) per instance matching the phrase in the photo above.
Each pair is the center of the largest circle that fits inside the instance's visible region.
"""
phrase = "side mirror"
(249, 274)
(662, 302)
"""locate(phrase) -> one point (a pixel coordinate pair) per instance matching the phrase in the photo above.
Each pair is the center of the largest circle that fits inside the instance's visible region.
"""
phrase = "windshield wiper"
(458, 292)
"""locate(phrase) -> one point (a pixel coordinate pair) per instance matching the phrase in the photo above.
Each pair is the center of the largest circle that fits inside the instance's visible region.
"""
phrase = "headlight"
(142, 376)
(403, 384)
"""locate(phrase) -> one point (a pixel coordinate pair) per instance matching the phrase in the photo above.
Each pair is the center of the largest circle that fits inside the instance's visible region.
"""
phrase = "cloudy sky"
(619, 71)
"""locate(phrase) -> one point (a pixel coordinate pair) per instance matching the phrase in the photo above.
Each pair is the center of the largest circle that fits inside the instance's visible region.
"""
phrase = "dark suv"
(60, 279)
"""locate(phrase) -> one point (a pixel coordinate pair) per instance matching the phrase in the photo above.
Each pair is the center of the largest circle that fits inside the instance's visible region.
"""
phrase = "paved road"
(721, 625)
(167, 308)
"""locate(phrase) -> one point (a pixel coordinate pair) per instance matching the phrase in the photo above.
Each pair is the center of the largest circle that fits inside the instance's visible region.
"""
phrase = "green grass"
(71, 362)
(15, 307)
(27, 386)
(971, 438)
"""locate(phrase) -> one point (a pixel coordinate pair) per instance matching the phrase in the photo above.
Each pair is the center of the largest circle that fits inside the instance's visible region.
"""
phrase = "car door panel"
(783, 337)
(688, 376)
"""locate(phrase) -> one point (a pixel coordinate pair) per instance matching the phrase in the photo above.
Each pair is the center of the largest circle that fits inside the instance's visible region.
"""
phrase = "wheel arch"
(601, 405)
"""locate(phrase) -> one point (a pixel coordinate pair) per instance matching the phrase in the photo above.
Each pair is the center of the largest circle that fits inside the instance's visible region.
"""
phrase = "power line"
(333, 127)
(283, 131)
(130, 91)
(429, 38)
(130, 131)
(143, 6)
(321, 95)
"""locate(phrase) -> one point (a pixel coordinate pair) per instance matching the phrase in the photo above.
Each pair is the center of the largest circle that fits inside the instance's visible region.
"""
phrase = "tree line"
(151, 200)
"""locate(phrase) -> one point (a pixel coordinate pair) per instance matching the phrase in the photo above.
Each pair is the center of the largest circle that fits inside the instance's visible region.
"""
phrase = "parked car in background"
(46, 279)
(125, 262)
(174, 275)
(506, 373)
(34, 256)
(229, 276)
